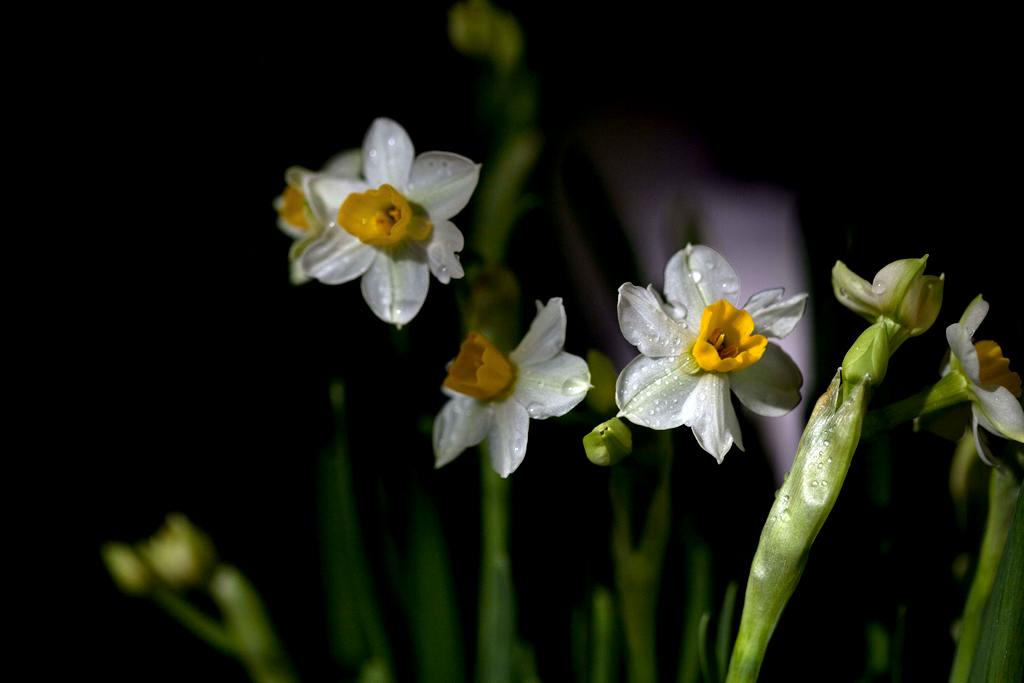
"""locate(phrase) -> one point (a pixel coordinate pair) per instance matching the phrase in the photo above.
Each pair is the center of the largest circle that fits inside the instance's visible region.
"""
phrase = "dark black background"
(199, 374)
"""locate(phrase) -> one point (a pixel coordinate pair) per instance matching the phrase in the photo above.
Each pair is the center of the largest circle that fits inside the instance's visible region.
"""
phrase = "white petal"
(709, 413)
(975, 313)
(771, 386)
(463, 422)
(506, 440)
(652, 392)
(387, 155)
(774, 316)
(647, 326)
(293, 231)
(981, 441)
(345, 164)
(698, 276)
(442, 183)
(445, 241)
(960, 344)
(546, 336)
(325, 195)
(553, 387)
(336, 257)
(396, 284)
(999, 412)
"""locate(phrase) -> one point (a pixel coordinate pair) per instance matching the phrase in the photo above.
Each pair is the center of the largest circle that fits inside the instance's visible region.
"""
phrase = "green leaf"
(1000, 653)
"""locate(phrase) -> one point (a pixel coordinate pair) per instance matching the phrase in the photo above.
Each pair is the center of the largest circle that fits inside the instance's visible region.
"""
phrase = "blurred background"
(784, 149)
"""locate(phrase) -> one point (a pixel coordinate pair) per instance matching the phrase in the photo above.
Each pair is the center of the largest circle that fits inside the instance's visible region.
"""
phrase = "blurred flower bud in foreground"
(127, 569)
(179, 554)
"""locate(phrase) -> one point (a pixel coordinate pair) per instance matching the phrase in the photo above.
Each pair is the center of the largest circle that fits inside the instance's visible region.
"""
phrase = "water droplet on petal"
(391, 142)
(696, 275)
(373, 153)
(533, 409)
(574, 386)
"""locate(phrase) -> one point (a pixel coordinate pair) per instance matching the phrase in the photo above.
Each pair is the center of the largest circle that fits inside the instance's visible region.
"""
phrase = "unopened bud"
(601, 398)
(127, 569)
(900, 292)
(608, 443)
(868, 358)
(179, 554)
(478, 29)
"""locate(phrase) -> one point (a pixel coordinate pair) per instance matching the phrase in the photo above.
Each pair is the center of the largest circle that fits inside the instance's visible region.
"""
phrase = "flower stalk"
(949, 391)
(801, 507)
(496, 637)
(638, 565)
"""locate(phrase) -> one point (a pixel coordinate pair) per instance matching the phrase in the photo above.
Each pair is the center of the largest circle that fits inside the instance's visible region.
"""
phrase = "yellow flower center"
(995, 367)
(725, 342)
(383, 217)
(293, 208)
(480, 370)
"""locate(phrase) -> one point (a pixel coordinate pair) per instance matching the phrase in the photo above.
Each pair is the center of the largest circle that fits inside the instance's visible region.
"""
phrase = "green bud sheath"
(801, 507)
(868, 358)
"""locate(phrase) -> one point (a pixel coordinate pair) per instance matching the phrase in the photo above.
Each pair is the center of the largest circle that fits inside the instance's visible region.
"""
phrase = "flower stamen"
(994, 367)
(480, 370)
(725, 342)
(292, 209)
(383, 217)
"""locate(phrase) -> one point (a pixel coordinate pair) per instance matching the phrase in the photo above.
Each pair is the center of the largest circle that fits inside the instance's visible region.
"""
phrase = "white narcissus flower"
(697, 345)
(493, 396)
(993, 387)
(391, 227)
(294, 217)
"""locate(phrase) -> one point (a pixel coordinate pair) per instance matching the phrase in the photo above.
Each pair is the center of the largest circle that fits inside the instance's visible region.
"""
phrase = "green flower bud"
(494, 291)
(900, 292)
(127, 569)
(601, 398)
(868, 358)
(179, 554)
(478, 29)
(608, 443)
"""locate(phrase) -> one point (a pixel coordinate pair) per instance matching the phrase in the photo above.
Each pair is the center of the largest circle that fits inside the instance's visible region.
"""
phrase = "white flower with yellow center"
(392, 227)
(698, 345)
(993, 387)
(493, 396)
(294, 217)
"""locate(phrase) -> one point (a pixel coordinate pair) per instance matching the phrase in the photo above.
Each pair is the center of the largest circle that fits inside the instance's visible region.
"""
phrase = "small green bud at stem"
(868, 358)
(608, 443)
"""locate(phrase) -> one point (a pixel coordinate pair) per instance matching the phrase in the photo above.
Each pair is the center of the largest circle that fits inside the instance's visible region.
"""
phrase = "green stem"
(602, 645)
(249, 624)
(1002, 494)
(638, 569)
(946, 393)
(698, 603)
(195, 620)
(801, 507)
(353, 615)
(496, 636)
